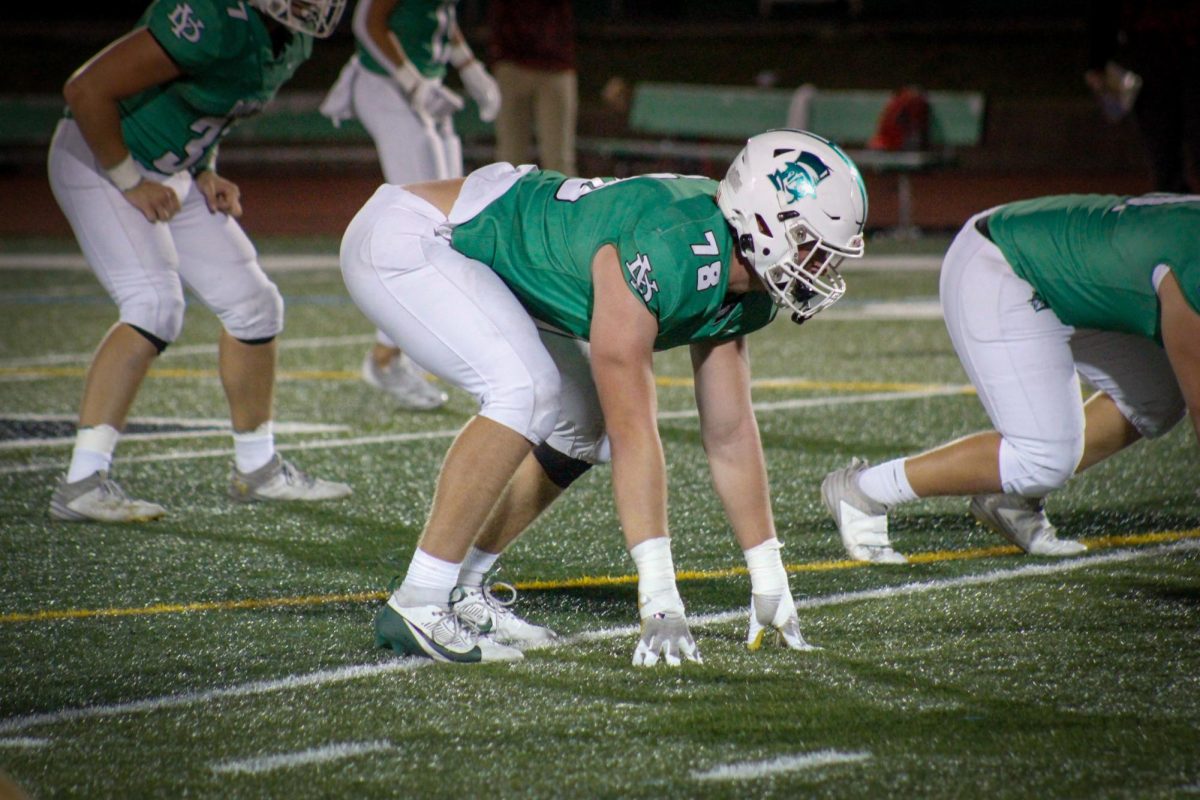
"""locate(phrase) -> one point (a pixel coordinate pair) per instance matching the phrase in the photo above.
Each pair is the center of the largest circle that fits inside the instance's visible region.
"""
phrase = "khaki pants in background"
(542, 102)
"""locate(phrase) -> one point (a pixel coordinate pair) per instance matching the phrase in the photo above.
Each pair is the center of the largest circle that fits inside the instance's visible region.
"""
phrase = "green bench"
(705, 123)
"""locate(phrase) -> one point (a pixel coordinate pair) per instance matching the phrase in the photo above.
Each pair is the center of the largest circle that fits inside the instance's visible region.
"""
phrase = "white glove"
(665, 633)
(483, 88)
(428, 97)
(776, 614)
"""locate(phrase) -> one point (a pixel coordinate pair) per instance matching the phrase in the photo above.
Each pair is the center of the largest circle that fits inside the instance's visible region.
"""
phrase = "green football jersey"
(423, 28)
(1091, 258)
(673, 242)
(229, 70)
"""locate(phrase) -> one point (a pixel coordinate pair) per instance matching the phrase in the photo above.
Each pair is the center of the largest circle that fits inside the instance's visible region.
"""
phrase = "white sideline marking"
(24, 743)
(284, 262)
(192, 429)
(389, 438)
(315, 755)
(323, 677)
(174, 351)
(749, 770)
(319, 678)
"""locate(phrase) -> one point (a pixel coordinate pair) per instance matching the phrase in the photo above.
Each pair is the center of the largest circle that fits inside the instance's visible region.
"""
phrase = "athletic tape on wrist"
(125, 175)
(460, 54)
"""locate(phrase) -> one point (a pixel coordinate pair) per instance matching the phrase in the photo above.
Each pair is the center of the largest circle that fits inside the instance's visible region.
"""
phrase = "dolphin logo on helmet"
(798, 179)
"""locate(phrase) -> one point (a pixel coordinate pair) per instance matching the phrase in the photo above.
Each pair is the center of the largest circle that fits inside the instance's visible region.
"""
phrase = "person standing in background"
(1159, 41)
(393, 84)
(533, 54)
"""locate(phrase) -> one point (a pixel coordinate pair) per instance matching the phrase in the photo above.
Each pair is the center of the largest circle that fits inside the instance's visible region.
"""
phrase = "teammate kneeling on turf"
(1035, 294)
(133, 167)
(546, 297)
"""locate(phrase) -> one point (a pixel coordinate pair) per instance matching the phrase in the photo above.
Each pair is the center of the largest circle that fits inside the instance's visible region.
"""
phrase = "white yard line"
(390, 438)
(57, 359)
(284, 262)
(342, 674)
(749, 770)
(315, 755)
(23, 743)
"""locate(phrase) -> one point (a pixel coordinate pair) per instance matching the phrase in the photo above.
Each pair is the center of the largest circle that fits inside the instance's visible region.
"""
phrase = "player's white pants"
(1025, 364)
(143, 265)
(412, 147)
(458, 319)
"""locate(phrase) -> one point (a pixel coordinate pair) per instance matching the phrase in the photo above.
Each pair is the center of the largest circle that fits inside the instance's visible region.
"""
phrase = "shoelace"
(449, 630)
(111, 490)
(495, 607)
(293, 476)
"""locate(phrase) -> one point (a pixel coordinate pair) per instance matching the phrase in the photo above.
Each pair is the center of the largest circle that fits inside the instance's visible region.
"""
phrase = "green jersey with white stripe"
(423, 28)
(1092, 258)
(230, 70)
(673, 243)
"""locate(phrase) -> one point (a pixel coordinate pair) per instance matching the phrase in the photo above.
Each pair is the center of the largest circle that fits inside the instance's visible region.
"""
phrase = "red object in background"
(903, 123)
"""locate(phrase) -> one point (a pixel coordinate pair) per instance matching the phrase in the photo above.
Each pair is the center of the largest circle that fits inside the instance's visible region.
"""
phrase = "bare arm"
(622, 345)
(370, 26)
(127, 66)
(729, 431)
(1181, 337)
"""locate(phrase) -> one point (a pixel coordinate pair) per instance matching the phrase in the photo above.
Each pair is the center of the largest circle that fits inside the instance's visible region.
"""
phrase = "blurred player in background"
(1035, 294)
(133, 167)
(393, 85)
(546, 297)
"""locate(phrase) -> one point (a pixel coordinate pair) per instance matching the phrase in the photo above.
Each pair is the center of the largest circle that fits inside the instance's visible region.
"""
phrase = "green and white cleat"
(437, 633)
(280, 481)
(98, 498)
(486, 613)
(1023, 521)
(862, 522)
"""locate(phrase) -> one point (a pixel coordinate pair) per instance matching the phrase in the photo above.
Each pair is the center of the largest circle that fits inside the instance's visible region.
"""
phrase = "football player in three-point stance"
(133, 167)
(1036, 293)
(546, 297)
(393, 85)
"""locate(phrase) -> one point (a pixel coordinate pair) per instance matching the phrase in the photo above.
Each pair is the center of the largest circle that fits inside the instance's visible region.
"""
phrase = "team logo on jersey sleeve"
(799, 178)
(639, 276)
(184, 25)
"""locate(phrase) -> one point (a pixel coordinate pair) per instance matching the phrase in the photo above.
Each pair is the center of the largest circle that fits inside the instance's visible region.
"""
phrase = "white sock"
(656, 571)
(255, 448)
(767, 575)
(428, 581)
(887, 483)
(93, 451)
(476, 567)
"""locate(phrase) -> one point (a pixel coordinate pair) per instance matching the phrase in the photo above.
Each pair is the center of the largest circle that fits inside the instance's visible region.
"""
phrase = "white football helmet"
(797, 205)
(315, 17)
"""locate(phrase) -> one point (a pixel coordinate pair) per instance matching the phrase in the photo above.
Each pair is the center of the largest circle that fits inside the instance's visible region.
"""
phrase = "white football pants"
(458, 319)
(1025, 364)
(143, 265)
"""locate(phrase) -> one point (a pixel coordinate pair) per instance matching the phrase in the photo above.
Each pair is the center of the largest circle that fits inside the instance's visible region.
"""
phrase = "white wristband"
(125, 175)
(460, 54)
(407, 77)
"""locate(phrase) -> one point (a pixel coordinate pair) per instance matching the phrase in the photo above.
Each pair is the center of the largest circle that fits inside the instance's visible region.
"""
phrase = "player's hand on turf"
(221, 195)
(483, 88)
(157, 203)
(665, 635)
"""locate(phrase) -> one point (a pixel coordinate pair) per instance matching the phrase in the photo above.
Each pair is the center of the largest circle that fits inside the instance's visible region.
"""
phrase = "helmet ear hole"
(746, 243)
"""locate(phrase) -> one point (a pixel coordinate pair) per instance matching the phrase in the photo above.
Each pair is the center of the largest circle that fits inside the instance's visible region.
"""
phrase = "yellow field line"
(595, 581)
(347, 375)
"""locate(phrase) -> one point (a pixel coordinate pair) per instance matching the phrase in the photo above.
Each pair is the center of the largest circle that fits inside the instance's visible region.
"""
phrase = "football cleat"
(436, 632)
(486, 613)
(665, 634)
(280, 480)
(777, 615)
(98, 498)
(1023, 521)
(861, 521)
(403, 380)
